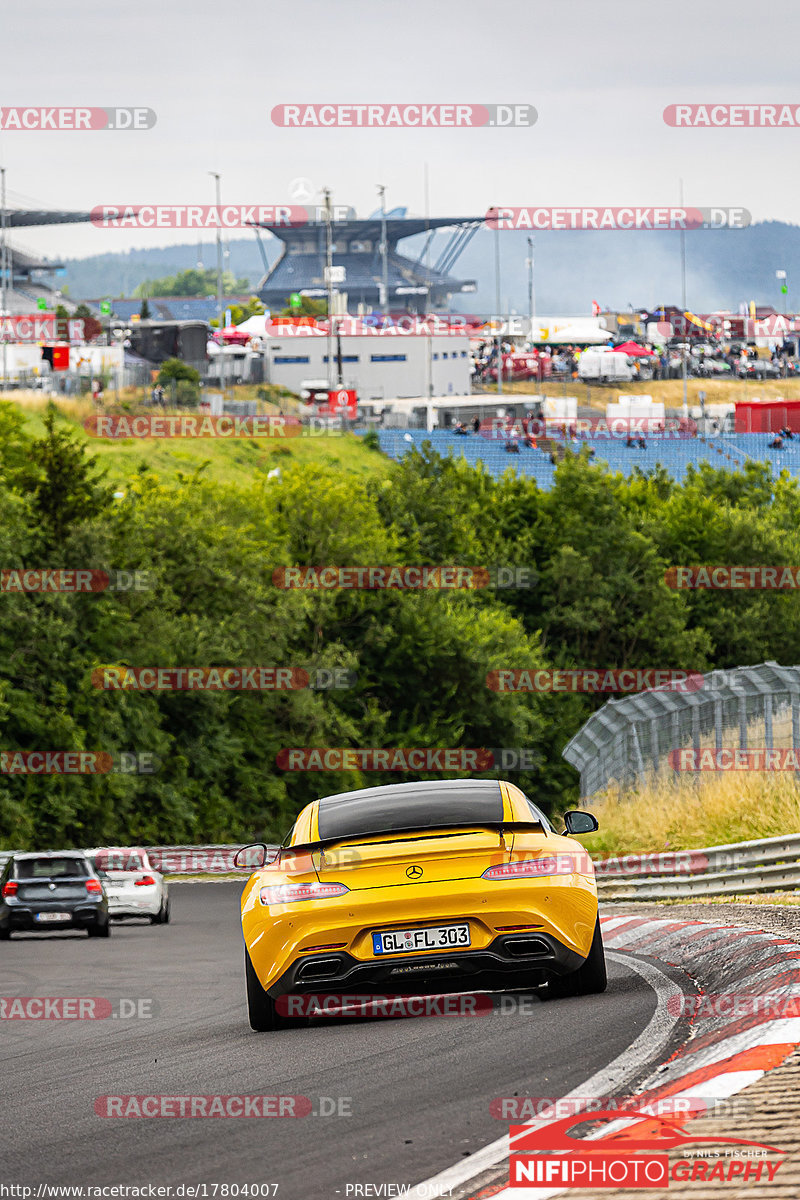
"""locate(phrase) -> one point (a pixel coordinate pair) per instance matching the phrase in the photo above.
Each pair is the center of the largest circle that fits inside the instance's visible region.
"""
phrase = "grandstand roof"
(356, 247)
(370, 227)
(40, 216)
(22, 262)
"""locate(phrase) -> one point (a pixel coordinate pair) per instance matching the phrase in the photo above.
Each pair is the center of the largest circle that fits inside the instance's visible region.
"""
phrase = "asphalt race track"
(418, 1090)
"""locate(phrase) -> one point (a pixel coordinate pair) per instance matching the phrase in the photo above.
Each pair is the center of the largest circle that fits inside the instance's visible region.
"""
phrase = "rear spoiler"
(388, 835)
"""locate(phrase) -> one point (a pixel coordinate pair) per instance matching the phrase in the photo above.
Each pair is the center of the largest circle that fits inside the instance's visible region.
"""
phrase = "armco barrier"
(742, 868)
(183, 860)
(196, 860)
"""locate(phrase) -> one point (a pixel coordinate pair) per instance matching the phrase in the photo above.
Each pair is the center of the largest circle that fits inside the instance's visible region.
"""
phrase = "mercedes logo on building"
(414, 872)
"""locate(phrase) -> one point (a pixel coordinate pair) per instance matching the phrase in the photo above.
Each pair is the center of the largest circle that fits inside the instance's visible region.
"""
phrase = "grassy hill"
(224, 461)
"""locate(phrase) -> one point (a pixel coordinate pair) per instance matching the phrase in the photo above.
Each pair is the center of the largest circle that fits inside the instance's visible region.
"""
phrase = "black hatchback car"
(56, 890)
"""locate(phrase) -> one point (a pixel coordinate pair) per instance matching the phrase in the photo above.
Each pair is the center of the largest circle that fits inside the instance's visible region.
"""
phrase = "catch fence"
(747, 708)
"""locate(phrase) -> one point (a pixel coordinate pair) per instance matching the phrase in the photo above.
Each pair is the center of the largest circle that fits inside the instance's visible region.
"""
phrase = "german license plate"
(407, 941)
(53, 916)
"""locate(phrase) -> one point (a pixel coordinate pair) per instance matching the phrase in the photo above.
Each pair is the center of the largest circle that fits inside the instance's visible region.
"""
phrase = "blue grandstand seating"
(730, 452)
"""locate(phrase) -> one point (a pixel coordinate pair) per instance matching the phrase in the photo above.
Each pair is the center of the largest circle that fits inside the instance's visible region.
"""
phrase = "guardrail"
(741, 868)
(179, 860)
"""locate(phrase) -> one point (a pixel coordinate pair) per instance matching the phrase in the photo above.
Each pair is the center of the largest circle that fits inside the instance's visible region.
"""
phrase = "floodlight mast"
(497, 302)
(326, 194)
(3, 262)
(384, 300)
(220, 311)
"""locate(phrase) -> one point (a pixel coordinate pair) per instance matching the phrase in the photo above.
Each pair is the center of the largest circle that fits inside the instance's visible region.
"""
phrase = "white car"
(133, 886)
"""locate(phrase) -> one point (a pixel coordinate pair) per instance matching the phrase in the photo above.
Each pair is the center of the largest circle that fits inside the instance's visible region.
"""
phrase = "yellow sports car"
(414, 888)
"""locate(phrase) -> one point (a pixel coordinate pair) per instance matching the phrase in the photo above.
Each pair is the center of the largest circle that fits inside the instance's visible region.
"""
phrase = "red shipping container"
(768, 417)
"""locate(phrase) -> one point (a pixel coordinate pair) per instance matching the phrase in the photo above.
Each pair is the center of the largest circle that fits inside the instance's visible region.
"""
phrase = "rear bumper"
(130, 906)
(23, 918)
(559, 912)
(515, 960)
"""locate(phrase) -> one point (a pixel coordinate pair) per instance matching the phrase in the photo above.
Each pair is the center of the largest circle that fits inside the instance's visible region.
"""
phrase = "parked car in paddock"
(60, 889)
(442, 886)
(604, 366)
(758, 368)
(133, 886)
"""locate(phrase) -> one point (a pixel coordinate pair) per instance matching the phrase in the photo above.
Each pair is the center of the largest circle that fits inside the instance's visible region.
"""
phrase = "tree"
(91, 326)
(65, 486)
(62, 328)
(243, 312)
(306, 308)
(175, 369)
(193, 282)
(144, 311)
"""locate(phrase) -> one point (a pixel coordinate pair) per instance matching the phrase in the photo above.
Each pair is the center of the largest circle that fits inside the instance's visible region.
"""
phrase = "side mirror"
(576, 821)
(256, 855)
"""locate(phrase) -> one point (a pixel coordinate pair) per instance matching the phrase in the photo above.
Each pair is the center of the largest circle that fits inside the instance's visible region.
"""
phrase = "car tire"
(162, 916)
(590, 978)
(103, 931)
(5, 934)
(260, 1005)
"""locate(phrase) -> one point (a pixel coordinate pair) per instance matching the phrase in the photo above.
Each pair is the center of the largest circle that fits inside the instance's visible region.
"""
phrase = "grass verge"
(665, 814)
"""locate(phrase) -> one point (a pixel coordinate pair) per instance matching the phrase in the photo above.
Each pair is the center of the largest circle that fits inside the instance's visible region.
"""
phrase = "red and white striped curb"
(726, 1052)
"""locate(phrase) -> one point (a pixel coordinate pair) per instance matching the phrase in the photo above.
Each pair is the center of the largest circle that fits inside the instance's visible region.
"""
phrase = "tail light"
(145, 881)
(536, 868)
(287, 893)
(93, 886)
(10, 888)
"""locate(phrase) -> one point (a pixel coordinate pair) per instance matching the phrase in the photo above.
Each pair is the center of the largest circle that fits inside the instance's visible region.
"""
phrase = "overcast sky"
(599, 76)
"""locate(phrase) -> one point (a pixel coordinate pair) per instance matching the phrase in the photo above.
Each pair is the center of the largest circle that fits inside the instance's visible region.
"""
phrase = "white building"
(378, 366)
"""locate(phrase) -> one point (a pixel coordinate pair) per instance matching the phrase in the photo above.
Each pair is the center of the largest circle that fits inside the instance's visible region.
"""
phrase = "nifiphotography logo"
(632, 1153)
